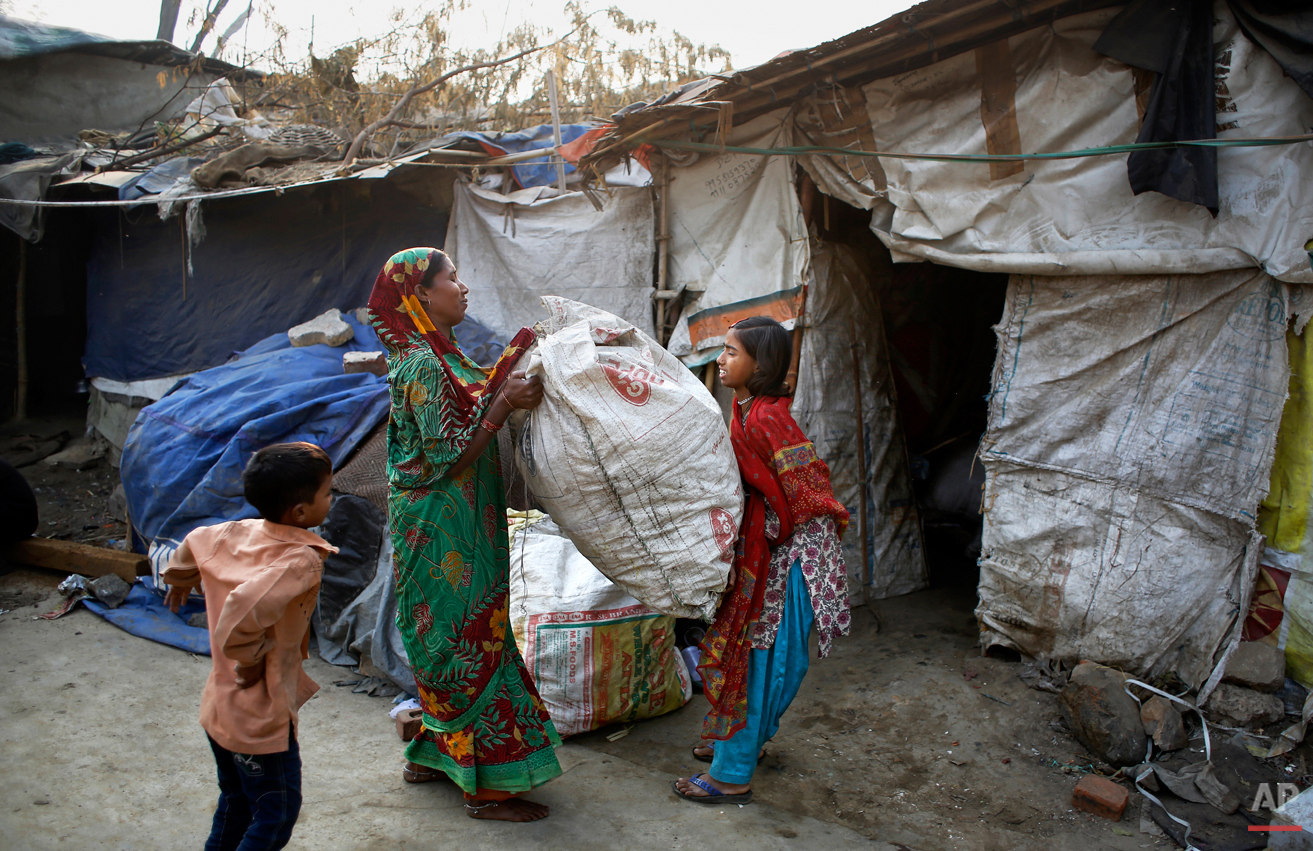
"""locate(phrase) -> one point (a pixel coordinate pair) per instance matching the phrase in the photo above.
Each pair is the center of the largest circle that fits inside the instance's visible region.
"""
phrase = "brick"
(1100, 796)
(409, 723)
(374, 362)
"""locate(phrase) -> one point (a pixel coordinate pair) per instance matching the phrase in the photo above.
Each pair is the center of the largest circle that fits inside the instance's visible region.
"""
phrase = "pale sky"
(751, 32)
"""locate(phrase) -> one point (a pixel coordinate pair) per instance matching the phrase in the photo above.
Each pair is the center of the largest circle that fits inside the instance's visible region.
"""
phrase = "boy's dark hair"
(284, 474)
(765, 340)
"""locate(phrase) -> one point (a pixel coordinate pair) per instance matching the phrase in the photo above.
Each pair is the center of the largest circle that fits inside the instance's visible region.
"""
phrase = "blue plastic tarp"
(537, 172)
(184, 456)
(144, 614)
(267, 262)
(159, 178)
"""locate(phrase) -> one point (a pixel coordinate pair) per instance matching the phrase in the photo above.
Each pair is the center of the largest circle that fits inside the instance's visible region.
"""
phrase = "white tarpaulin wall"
(840, 301)
(736, 229)
(514, 248)
(1078, 216)
(1132, 426)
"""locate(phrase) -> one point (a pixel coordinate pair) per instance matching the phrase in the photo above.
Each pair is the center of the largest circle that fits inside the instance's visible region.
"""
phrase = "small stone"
(1100, 796)
(1233, 706)
(373, 362)
(199, 620)
(328, 328)
(1257, 665)
(362, 315)
(1102, 716)
(1163, 723)
(110, 590)
(118, 504)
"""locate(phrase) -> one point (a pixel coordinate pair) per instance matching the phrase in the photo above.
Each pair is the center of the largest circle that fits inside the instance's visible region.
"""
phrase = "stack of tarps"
(355, 620)
(843, 349)
(597, 655)
(513, 248)
(184, 455)
(1131, 431)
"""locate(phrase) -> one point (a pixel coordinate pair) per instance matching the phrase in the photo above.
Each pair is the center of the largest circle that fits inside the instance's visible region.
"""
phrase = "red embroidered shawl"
(780, 468)
(402, 324)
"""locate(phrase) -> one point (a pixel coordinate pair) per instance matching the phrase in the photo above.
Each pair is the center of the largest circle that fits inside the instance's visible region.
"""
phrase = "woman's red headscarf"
(402, 325)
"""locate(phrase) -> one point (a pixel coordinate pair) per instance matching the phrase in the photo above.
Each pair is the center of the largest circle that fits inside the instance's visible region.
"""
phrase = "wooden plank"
(85, 559)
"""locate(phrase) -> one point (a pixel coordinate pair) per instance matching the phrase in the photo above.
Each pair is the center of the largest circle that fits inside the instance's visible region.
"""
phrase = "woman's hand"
(523, 392)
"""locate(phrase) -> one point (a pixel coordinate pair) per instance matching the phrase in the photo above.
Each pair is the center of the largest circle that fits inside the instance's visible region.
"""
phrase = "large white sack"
(596, 654)
(629, 454)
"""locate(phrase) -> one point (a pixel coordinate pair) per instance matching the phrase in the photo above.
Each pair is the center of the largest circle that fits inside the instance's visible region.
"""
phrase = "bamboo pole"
(556, 129)
(20, 311)
(861, 452)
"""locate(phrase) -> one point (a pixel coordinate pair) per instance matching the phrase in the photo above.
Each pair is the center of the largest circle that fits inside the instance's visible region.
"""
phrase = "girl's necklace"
(746, 407)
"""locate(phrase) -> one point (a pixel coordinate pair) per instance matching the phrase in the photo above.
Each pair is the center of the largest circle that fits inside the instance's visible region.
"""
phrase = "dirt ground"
(905, 735)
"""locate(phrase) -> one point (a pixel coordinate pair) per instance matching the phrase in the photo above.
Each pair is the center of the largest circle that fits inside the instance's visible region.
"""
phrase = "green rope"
(805, 150)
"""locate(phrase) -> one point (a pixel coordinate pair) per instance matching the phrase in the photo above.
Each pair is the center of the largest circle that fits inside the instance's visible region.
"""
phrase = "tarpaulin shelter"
(1043, 157)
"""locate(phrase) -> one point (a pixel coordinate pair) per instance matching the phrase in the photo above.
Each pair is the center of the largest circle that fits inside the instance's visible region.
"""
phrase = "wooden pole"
(663, 245)
(806, 198)
(556, 129)
(861, 451)
(20, 310)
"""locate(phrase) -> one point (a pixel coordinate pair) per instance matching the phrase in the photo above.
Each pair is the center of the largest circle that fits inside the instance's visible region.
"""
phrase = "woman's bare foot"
(511, 809)
(693, 790)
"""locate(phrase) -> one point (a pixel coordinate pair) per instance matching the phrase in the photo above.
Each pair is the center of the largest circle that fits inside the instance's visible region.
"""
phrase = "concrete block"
(1233, 706)
(328, 328)
(1297, 812)
(1100, 796)
(1163, 723)
(110, 590)
(375, 362)
(1257, 665)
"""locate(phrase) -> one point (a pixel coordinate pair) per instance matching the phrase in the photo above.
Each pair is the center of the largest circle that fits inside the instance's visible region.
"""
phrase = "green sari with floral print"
(484, 723)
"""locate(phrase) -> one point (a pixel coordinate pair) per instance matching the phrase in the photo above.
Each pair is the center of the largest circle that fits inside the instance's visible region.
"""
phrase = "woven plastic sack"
(630, 456)
(597, 655)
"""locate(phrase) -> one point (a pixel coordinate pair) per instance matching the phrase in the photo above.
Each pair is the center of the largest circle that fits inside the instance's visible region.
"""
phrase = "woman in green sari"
(485, 726)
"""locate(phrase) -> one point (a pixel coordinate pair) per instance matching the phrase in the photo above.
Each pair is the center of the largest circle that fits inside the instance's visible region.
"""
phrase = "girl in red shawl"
(788, 576)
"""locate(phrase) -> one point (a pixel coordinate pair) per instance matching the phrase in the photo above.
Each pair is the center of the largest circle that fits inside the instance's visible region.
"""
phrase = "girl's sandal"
(713, 796)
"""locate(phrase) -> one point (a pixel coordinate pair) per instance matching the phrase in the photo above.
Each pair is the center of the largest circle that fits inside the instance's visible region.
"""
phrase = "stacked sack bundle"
(630, 455)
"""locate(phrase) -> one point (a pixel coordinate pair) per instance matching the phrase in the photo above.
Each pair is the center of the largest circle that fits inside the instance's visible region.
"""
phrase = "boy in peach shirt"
(261, 580)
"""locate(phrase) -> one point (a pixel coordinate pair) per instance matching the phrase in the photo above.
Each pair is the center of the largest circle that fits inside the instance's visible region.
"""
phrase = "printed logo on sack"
(724, 530)
(633, 383)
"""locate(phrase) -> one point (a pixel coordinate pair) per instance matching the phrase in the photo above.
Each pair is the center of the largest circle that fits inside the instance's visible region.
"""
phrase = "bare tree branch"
(391, 118)
(168, 19)
(211, 17)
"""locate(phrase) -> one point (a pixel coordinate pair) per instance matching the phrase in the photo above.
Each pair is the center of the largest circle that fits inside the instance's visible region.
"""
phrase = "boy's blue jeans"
(259, 798)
